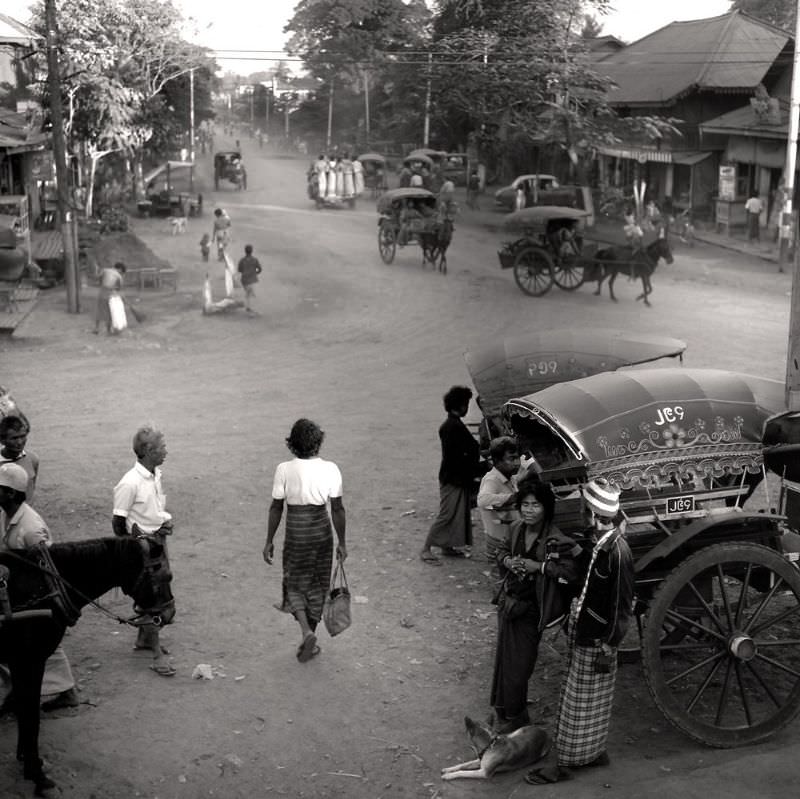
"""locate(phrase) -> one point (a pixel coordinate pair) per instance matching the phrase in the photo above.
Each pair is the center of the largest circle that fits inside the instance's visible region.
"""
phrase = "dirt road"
(366, 350)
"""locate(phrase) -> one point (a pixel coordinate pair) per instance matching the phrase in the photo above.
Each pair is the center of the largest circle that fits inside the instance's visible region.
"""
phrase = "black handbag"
(336, 613)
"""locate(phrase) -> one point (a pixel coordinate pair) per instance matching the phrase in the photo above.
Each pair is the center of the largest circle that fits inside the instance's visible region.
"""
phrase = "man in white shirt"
(753, 206)
(496, 493)
(139, 509)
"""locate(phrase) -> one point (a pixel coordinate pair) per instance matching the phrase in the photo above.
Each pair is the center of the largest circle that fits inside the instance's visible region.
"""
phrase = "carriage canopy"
(538, 216)
(372, 158)
(520, 365)
(647, 427)
(387, 198)
(418, 158)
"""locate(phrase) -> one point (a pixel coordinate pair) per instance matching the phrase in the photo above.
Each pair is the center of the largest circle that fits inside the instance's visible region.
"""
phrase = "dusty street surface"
(366, 350)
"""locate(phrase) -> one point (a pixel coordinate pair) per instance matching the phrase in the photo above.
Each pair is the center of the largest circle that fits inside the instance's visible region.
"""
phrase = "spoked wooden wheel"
(721, 649)
(533, 271)
(568, 273)
(387, 243)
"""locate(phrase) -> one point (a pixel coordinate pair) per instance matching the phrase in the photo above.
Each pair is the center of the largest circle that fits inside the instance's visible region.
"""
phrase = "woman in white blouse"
(308, 486)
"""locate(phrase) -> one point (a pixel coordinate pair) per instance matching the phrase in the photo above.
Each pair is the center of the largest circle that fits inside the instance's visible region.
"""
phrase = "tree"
(351, 43)
(519, 71)
(592, 27)
(780, 13)
(118, 59)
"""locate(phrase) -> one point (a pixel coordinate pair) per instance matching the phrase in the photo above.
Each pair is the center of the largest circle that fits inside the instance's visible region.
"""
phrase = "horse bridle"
(154, 567)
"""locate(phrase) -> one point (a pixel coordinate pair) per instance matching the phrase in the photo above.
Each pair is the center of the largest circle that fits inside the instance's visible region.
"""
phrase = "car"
(455, 167)
(507, 196)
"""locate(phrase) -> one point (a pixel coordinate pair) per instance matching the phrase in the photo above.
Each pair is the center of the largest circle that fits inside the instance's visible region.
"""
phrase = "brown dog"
(497, 753)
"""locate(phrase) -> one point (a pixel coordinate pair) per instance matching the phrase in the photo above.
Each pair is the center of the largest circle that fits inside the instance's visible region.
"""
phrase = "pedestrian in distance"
(598, 621)
(473, 190)
(308, 487)
(249, 269)
(140, 511)
(452, 528)
(753, 207)
(111, 278)
(205, 246)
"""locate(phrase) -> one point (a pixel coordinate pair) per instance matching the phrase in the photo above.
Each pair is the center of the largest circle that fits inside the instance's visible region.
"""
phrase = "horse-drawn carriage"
(554, 248)
(228, 166)
(410, 216)
(374, 165)
(717, 581)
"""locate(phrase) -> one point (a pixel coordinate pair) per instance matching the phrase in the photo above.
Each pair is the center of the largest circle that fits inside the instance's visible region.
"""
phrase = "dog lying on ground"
(497, 753)
(178, 224)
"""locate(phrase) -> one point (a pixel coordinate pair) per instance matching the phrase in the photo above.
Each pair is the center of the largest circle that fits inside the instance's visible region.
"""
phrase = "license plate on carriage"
(677, 505)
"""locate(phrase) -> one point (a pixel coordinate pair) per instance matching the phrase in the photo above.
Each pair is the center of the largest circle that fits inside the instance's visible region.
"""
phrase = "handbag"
(336, 613)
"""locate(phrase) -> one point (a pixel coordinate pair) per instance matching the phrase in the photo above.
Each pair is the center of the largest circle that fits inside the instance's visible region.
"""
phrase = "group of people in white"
(336, 178)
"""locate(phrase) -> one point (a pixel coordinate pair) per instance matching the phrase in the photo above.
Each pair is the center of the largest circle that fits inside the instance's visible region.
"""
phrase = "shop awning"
(690, 158)
(683, 157)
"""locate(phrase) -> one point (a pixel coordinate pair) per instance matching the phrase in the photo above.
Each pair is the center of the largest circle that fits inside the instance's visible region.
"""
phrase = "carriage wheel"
(387, 243)
(568, 274)
(533, 271)
(721, 648)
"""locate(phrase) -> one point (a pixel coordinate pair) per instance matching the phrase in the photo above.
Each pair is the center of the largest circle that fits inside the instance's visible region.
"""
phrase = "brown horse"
(61, 579)
(612, 261)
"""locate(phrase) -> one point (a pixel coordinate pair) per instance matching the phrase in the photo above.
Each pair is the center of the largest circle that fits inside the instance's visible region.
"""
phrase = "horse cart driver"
(407, 210)
(562, 235)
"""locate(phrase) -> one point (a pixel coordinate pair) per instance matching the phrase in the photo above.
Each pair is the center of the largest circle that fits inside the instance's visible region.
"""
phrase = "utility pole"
(191, 114)
(788, 229)
(330, 117)
(65, 214)
(366, 107)
(426, 127)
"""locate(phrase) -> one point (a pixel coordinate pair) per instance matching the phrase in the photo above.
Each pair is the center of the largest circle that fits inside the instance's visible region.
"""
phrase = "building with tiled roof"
(692, 72)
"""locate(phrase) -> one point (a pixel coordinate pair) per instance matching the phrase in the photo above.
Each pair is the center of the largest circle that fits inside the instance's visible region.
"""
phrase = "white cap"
(14, 476)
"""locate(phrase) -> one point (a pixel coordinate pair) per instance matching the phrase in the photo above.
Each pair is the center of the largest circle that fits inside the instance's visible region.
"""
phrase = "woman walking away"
(307, 485)
(452, 528)
(598, 621)
(539, 572)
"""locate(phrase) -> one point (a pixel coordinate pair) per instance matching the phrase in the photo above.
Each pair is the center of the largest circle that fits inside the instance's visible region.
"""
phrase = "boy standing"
(249, 268)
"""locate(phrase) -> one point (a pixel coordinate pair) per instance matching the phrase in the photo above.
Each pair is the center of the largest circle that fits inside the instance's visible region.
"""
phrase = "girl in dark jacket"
(536, 562)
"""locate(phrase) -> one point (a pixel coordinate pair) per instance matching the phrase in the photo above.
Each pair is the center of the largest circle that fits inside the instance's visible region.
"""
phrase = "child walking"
(205, 246)
(249, 268)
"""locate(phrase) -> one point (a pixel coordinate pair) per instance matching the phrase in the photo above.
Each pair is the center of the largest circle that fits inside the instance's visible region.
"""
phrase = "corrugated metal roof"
(732, 51)
(745, 122)
(14, 32)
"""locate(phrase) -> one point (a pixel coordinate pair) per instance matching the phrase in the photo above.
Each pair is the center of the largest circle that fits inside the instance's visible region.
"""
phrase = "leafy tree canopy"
(780, 13)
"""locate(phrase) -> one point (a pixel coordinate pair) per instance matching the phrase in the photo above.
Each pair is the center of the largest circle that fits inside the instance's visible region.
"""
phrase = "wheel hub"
(742, 647)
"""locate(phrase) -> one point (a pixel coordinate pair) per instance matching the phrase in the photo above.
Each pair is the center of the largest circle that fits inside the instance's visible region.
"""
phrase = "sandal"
(306, 650)
(429, 557)
(164, 669)
(547, 775)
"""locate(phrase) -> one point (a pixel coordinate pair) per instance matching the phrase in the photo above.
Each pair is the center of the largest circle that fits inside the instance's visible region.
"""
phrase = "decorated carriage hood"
(644, 427)
(516, 366)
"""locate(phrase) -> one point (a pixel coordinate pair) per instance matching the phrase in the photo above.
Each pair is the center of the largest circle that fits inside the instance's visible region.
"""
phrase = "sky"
(257, 25)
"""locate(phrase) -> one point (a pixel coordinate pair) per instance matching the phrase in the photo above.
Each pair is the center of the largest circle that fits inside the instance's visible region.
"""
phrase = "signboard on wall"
(727, 182)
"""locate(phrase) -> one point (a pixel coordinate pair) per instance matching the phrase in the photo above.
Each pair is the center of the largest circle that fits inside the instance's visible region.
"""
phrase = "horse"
(434, 245)
(641, 263)
(62, 579)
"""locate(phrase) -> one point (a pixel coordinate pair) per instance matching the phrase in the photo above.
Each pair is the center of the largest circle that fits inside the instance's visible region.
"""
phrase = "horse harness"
(56, 588)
